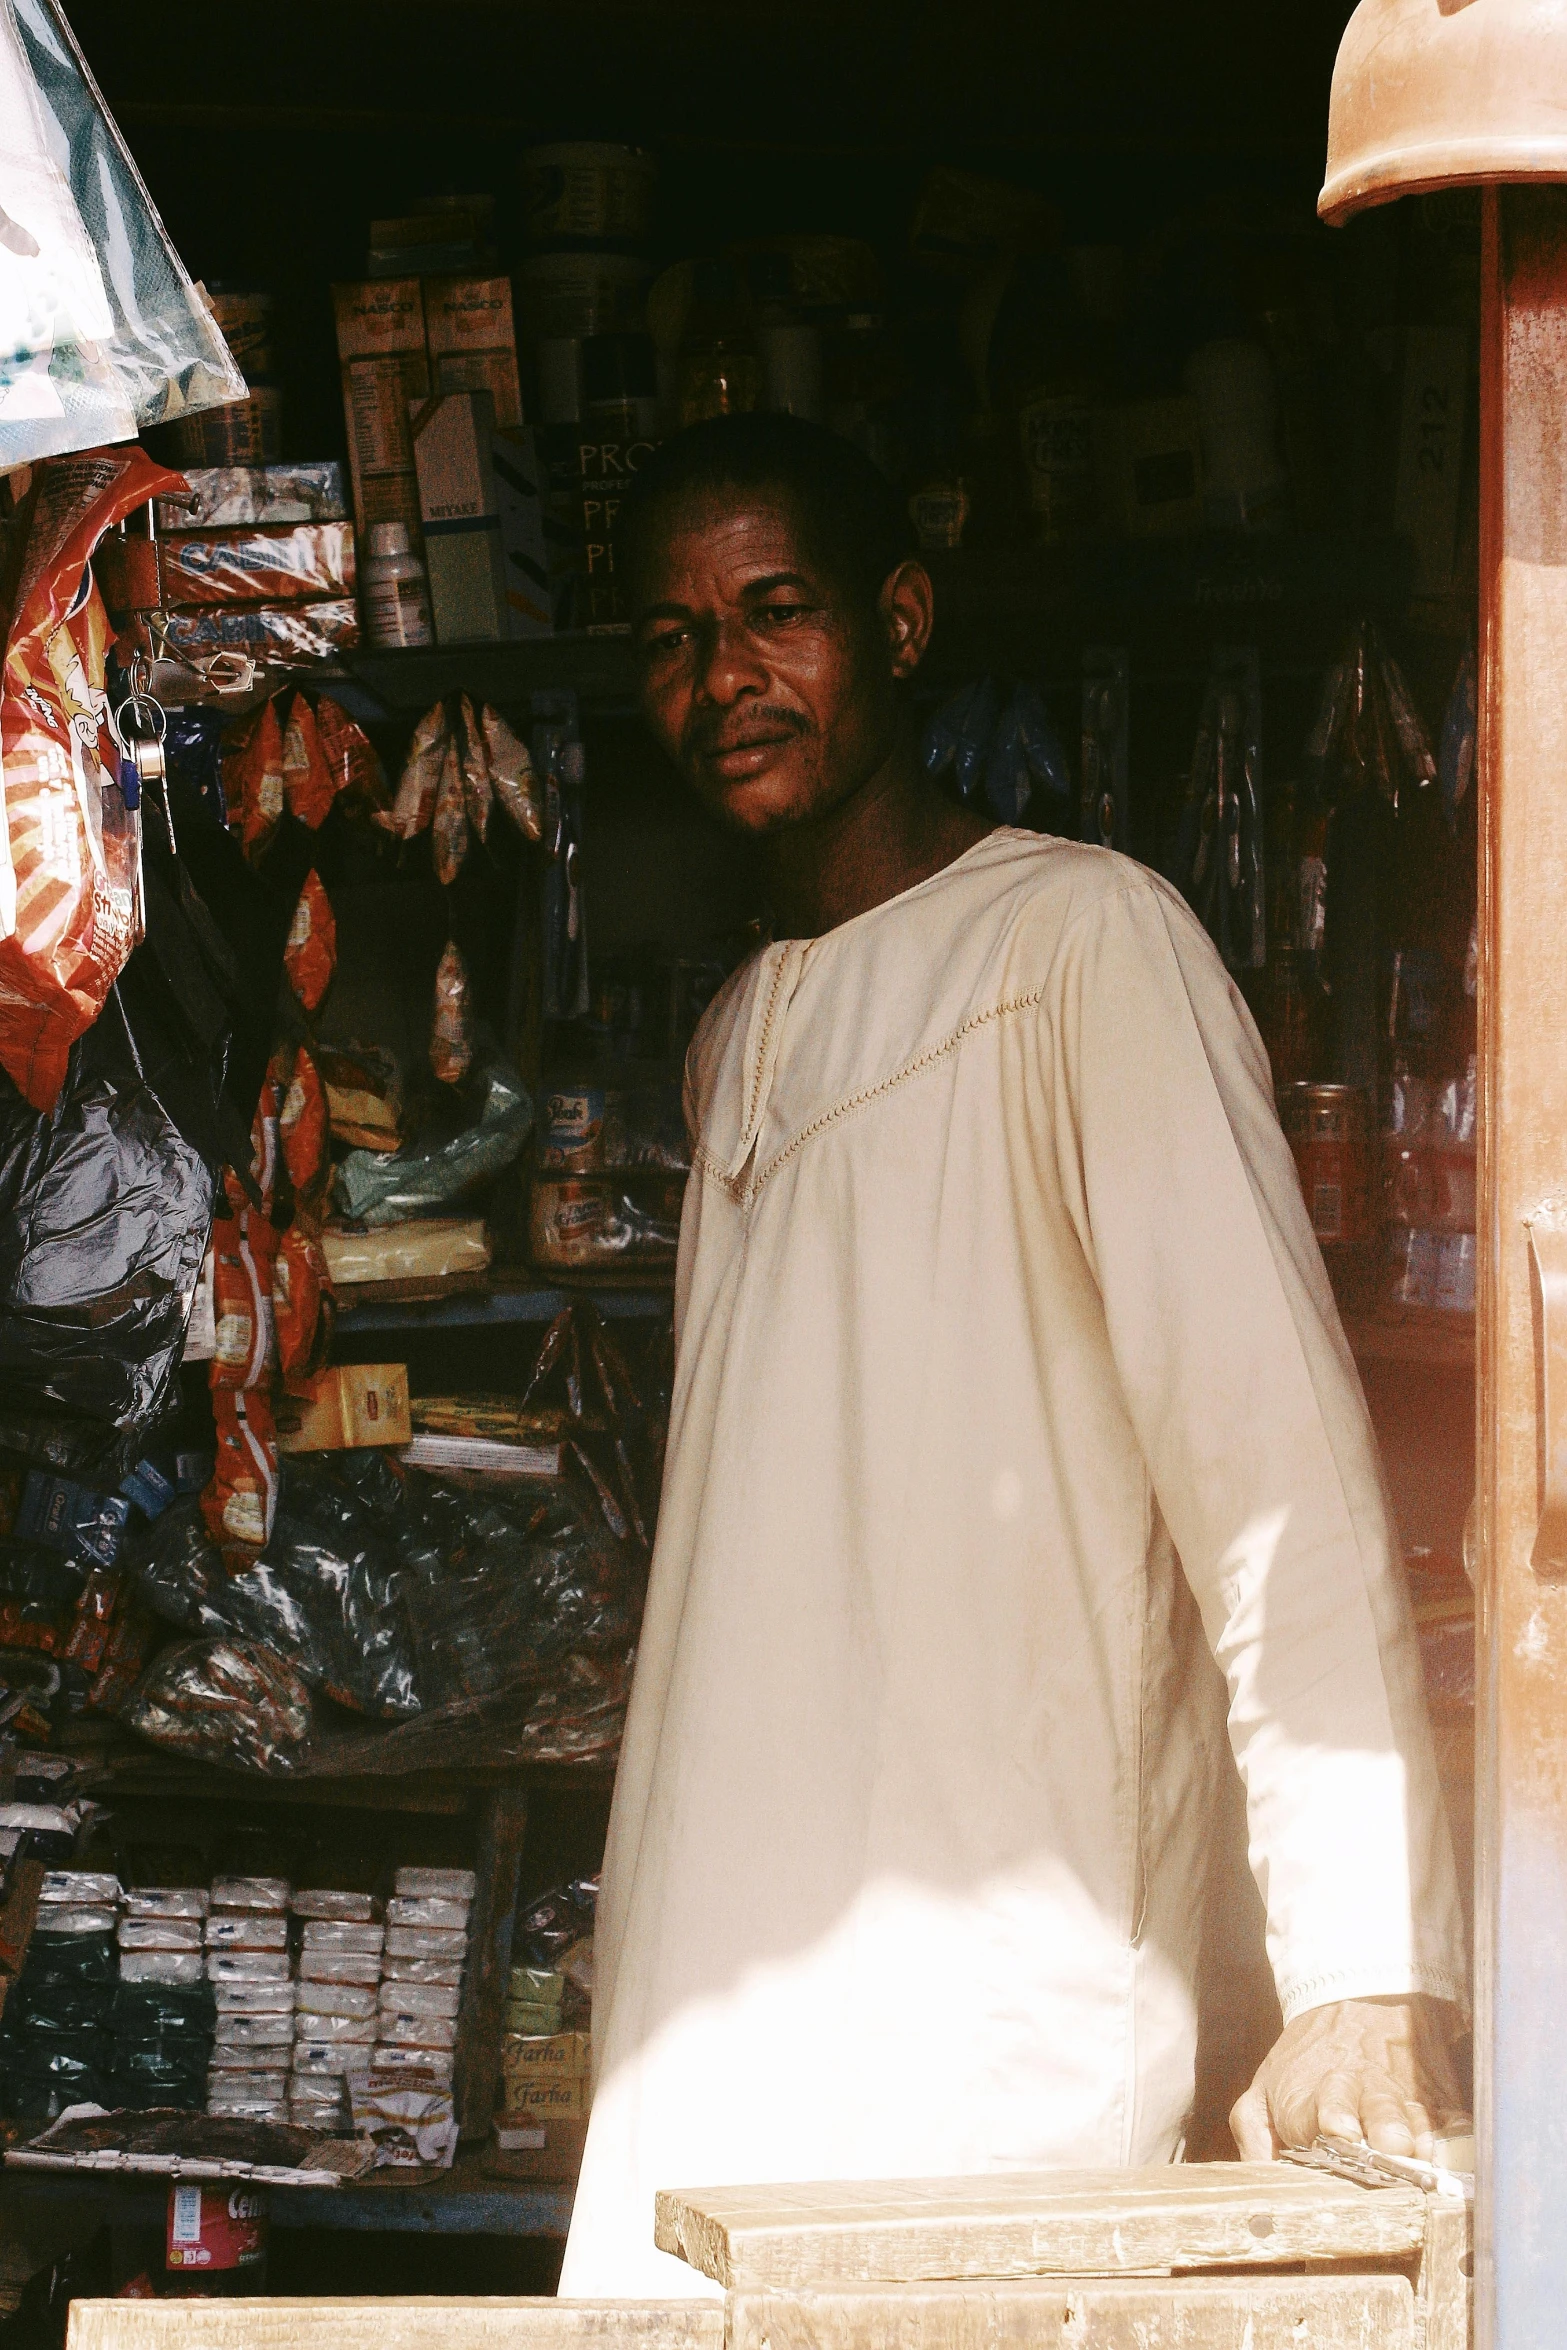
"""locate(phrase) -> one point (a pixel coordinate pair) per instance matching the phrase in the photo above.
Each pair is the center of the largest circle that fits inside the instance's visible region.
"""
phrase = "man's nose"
(731, 667)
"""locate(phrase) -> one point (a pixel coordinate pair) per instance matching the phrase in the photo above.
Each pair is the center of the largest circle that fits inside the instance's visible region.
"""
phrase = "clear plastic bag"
(376, 1187)
(102, 329)
(224, 1701)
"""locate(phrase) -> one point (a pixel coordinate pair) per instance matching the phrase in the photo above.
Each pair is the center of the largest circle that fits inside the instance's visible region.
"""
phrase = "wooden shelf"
(492, 1308)
(1440, 1342)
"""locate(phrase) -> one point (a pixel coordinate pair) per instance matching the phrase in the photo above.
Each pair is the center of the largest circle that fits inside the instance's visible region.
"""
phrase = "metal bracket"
(1548, 1253)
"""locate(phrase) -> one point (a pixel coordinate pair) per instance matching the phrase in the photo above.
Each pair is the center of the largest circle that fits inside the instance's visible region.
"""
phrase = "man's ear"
(908, 611)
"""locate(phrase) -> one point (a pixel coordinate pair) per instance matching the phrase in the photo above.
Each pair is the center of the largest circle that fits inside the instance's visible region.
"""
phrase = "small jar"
(394, 590)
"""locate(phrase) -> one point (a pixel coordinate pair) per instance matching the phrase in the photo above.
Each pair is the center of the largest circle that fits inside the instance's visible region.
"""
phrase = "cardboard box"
(561, 2056)
(583, 482)
(468, 314)
(351, 1405)
(494, 372)
(379, 316)
(537, 2150)
(460, 510)
(545, 2096)
(523, 547)
(375, 405)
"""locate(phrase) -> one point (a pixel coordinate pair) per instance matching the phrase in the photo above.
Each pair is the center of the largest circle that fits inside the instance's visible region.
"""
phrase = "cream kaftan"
(1010, 1395)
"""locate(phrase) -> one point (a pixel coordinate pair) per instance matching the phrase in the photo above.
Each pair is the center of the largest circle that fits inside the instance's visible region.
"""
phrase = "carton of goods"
(223, 495)
(288, 636)
(379, 316)
(295, 563)
(468, 314)
(494, 372)
(375, 403)
(530, 2147)
(545, 2095)
(407, 2115)
(524, 549)
(460, 511)
(1148, 462)
(433, 1248)
(565, 2056)
(350, 1405)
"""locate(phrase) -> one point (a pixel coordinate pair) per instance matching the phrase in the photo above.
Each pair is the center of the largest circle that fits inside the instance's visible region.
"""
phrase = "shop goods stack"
(248, 1967)
(341, 1942)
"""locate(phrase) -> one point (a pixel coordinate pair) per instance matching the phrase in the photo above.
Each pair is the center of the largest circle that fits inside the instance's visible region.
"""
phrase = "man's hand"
(1378, 2069)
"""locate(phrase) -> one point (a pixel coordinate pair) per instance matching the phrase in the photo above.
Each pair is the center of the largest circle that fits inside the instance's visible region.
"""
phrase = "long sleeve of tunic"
(1017, 1459)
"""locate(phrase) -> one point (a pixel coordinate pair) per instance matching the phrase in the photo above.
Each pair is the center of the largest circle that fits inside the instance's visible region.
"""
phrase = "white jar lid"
(388, 538)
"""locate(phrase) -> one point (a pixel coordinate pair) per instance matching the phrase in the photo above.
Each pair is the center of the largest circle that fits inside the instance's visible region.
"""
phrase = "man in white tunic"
(1016, 1455)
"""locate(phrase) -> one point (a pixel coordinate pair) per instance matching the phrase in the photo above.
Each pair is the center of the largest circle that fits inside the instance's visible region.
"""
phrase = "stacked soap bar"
(341, 1939)
(422, 1971)
(163, 2009)
(246, 1950)
(56, 2048)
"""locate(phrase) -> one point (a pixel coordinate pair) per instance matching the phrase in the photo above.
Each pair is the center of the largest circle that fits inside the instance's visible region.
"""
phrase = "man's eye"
(780, 615)
(666, 640)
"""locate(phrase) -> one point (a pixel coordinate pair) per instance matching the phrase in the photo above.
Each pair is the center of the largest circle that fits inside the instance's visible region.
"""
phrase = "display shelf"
(600, 670)
(1440, 1342)
(464, 2201)
(490, 1309)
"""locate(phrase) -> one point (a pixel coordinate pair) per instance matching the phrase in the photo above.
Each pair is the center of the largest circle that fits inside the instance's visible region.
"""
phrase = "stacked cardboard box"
(381, 345)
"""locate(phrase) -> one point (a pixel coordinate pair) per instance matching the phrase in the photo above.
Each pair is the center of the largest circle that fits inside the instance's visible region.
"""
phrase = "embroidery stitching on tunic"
(746, 1193)
(761, 1047)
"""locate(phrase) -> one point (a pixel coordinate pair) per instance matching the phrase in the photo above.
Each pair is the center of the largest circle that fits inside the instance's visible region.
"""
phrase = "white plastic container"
(394, 590)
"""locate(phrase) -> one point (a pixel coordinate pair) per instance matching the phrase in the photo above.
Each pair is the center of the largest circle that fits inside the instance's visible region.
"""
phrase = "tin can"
(1329, 1129)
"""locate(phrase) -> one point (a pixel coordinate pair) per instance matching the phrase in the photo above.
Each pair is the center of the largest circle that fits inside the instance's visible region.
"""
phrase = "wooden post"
(482, 2022)
(1521, 1953)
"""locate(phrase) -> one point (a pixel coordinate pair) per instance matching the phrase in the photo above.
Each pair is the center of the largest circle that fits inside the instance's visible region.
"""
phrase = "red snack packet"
(70, 901)
(260, 761)
(244, 1248)
(308, 785)
(302, 1125)
(240, 1501)
(132, 1637)
(414, 805)
(300, 1287)
(350, 755)
(451, 1030)
(310, 957)
(478, 792)
(94, 1613)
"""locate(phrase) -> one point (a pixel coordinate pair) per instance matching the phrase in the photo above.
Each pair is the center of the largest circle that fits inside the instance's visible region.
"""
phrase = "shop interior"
(1195, 479)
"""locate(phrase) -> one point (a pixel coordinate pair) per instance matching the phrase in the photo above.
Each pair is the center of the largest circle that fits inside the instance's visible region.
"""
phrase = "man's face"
(769, 688)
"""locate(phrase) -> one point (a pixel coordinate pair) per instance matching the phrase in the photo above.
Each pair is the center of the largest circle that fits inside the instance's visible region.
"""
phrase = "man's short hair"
(854, 522)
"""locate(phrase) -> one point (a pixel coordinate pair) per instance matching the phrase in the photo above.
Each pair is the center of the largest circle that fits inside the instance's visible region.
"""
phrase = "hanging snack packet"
(241, 1501)
(477, 791)
(414, 807)
(299, 1284)
(511, 773)
(70, 840)
(244, 1249)
(302, 1125)
(350, 757)
(310, 957)
(258, 762)
(449, 828)
(451, 1031)
(308, 785)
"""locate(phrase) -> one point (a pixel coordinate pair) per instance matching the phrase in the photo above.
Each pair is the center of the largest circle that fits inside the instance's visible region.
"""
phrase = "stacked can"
(247, 1964)
(422, 1971)
(164, 2008)
(335, 2026)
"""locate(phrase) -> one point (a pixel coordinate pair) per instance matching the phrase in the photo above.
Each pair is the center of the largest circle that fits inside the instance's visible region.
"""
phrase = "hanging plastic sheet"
(101, 330)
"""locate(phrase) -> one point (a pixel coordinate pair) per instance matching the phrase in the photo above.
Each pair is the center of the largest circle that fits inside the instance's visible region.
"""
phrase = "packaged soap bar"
(61, 1918)
(160, 1933)
(421, 1970)
(254, 2031)
(244, 2058)
(435, 1884)
(349, 2031)
(343, 1908)
(277, 1998)
(427, 1910)
(365, 1939)
(250, 2109)
(335, 1999)
(161, 1966)
(222, 2085)
(247, 1966)
(265, 1893)
(419, 1999)
(417, 2031)
(424, 1942)
(246, 1930)
(166, 1901)
(86, 1888)
(340, 1966)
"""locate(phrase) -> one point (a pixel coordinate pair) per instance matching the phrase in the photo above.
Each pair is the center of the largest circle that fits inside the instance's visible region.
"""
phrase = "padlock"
(147, 751)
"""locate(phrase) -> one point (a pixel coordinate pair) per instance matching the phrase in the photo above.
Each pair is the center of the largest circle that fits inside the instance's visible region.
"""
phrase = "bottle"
(720, 369)
(395, 590)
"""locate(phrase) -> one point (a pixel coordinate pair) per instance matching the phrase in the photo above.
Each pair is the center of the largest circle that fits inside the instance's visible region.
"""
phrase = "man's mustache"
(715, 732)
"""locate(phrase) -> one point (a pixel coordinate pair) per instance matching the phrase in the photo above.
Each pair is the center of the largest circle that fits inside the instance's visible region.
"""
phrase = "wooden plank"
(415, 2323)
(482, 2020)
(1443, 2292)
(1119, 2313)
(1039, 2223)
